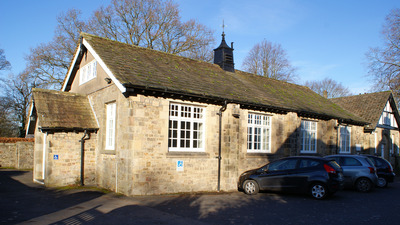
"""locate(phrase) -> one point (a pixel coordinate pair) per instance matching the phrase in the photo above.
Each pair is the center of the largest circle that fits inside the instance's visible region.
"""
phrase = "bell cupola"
(223, 55)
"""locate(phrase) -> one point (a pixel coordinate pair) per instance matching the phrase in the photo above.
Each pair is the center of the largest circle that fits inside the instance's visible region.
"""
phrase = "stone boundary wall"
(16, 153)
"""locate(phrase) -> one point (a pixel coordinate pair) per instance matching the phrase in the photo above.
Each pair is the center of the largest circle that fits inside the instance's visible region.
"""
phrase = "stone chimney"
(325, 94)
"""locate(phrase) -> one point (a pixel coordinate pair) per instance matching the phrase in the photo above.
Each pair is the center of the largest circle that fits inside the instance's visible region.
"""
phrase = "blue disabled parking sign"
(55, 157)
(179, 165)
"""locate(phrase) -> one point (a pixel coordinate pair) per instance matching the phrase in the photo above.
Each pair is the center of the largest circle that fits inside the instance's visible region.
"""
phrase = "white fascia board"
(70, 68)
(29, 117)
(94, 111)
(104, 66)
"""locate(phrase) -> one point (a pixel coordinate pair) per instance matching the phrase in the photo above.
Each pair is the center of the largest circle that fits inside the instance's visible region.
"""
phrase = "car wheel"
(363, 185)
(250, 187)
(318, 191)
(382, 182)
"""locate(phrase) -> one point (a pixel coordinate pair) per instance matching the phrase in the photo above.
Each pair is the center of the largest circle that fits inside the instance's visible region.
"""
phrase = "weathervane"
(223, 28)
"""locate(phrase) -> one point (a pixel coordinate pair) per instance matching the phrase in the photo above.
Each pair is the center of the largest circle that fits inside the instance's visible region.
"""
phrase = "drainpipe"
(221, 110)
(337, 127)
(44, 156)
(86, 136)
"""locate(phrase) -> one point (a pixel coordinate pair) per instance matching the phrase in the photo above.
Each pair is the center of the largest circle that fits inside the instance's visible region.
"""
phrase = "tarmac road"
(23, 202)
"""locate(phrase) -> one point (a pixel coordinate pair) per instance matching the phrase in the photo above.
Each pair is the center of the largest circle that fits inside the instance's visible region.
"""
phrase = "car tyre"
(382, 182)
(363, 185)
(318, 191)
(250, 187)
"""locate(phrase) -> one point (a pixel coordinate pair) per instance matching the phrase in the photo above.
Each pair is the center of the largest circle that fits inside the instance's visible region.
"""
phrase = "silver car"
(359, 171)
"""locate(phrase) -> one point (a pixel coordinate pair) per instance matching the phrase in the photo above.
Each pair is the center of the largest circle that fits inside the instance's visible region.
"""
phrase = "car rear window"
(370, 162)
(334, 164)
(381, 162)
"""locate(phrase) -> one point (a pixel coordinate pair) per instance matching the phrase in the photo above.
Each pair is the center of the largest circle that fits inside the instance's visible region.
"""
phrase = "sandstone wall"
(141, 163)
(17, 155)
(63, 162)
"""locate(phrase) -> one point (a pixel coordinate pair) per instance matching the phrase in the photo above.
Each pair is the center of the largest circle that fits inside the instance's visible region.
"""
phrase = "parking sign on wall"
(179, 165)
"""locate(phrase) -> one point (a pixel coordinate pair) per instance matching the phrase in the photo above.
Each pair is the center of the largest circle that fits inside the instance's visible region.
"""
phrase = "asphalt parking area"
(23, 202)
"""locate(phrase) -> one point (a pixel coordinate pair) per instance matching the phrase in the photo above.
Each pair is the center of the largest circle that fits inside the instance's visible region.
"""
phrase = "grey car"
(359, 171)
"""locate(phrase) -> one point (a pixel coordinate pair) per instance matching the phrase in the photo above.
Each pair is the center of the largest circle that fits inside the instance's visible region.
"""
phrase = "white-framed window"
(308, 136)
(258, 133)
(88, 72)
(186, 128)
(345, 137)
(387, 117)
(111, 109)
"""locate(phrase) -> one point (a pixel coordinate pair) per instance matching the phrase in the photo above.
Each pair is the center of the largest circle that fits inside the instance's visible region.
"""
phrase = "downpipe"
(221, 110)
(86, 136)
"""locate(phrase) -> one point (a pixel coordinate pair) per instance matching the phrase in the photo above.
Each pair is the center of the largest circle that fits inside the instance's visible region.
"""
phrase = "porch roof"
(57, 110)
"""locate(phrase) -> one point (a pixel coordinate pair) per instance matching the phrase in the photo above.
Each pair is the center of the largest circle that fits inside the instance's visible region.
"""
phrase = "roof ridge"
(51, 91)
(365, 94)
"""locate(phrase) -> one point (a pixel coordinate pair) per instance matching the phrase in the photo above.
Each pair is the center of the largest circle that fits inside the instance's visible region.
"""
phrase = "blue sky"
(323, 39)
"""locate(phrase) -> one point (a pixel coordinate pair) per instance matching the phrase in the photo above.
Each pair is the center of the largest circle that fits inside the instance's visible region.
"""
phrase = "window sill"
(175, 154)
(108, 152)
(258, 154)
(308, 153)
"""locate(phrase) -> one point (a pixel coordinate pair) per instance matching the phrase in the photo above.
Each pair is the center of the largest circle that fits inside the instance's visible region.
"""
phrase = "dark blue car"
(317, 176)
(384, 170)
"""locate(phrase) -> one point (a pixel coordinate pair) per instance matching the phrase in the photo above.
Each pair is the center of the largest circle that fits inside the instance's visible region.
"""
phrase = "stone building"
(139, 121)
(381, 135)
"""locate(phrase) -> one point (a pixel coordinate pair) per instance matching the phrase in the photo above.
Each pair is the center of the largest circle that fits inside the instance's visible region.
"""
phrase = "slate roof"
(367, 106)
(142, 69)
(63, 110)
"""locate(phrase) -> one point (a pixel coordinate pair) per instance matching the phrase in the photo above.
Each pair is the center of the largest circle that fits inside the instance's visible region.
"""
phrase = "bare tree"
(8, 128)
(331, 88)
(384, 62)
(269, 60)
(48, 63)
(154, 24)
(4, 64)
(16, 104)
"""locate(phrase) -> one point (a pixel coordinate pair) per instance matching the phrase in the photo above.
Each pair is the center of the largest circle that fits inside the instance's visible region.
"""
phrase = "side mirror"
(263, 169)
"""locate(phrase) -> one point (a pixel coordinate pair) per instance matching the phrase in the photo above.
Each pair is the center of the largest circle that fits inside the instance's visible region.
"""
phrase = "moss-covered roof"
(367, 106)
(63, 110)
(145, 69)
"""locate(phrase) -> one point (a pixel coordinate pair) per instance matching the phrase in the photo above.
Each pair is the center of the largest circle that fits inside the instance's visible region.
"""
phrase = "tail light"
(329, 169)
(371, 169)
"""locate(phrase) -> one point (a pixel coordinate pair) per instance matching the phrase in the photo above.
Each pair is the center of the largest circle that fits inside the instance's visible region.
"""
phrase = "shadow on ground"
(20, 202)
(23, 202)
